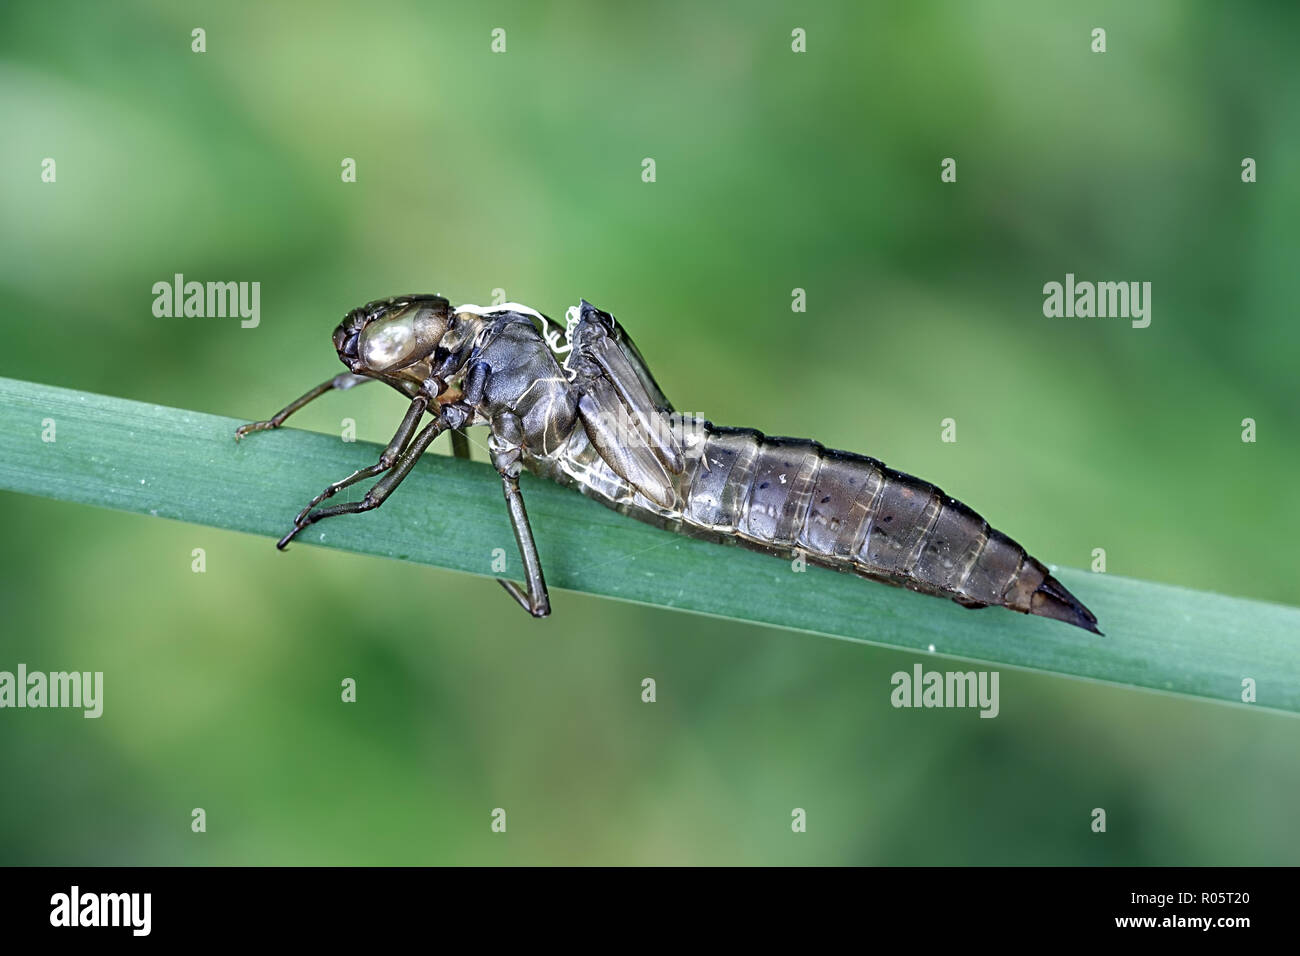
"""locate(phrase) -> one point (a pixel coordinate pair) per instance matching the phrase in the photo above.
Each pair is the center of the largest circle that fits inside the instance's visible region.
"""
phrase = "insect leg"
(395, 447)
(380, 490)
(459, 444)
(343, 381)
(474, 384)
(505, 445)
(534, 600)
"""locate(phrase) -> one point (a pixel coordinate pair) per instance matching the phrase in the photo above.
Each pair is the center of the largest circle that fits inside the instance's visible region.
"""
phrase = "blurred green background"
(522, 172)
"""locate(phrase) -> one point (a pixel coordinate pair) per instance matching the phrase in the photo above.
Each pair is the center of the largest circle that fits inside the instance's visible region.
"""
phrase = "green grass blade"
(449, 513)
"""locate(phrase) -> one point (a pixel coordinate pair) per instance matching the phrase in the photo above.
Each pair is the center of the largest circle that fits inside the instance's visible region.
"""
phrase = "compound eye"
(388, 342)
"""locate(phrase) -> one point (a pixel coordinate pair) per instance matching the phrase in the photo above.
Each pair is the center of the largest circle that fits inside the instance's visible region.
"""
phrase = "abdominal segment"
(841, 510)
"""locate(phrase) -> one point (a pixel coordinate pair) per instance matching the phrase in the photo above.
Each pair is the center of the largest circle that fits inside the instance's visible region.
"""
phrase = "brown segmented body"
(596, 421)
(841, 510)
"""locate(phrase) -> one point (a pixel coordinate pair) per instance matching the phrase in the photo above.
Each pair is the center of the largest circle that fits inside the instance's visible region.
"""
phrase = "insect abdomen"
(851, 512)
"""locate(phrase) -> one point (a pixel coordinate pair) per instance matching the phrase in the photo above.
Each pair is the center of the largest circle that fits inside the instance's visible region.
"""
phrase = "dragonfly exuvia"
(583, 409)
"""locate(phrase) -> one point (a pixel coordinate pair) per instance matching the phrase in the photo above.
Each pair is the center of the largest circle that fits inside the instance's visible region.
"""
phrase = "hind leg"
(506, 448)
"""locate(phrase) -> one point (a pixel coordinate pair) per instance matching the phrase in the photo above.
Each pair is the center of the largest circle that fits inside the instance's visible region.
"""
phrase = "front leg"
(338, 382)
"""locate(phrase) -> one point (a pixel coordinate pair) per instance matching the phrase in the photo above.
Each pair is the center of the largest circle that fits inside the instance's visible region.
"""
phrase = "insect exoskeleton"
(596, 423)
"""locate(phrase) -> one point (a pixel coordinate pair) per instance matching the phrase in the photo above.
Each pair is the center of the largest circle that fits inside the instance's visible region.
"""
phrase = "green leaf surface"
(449, 513)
